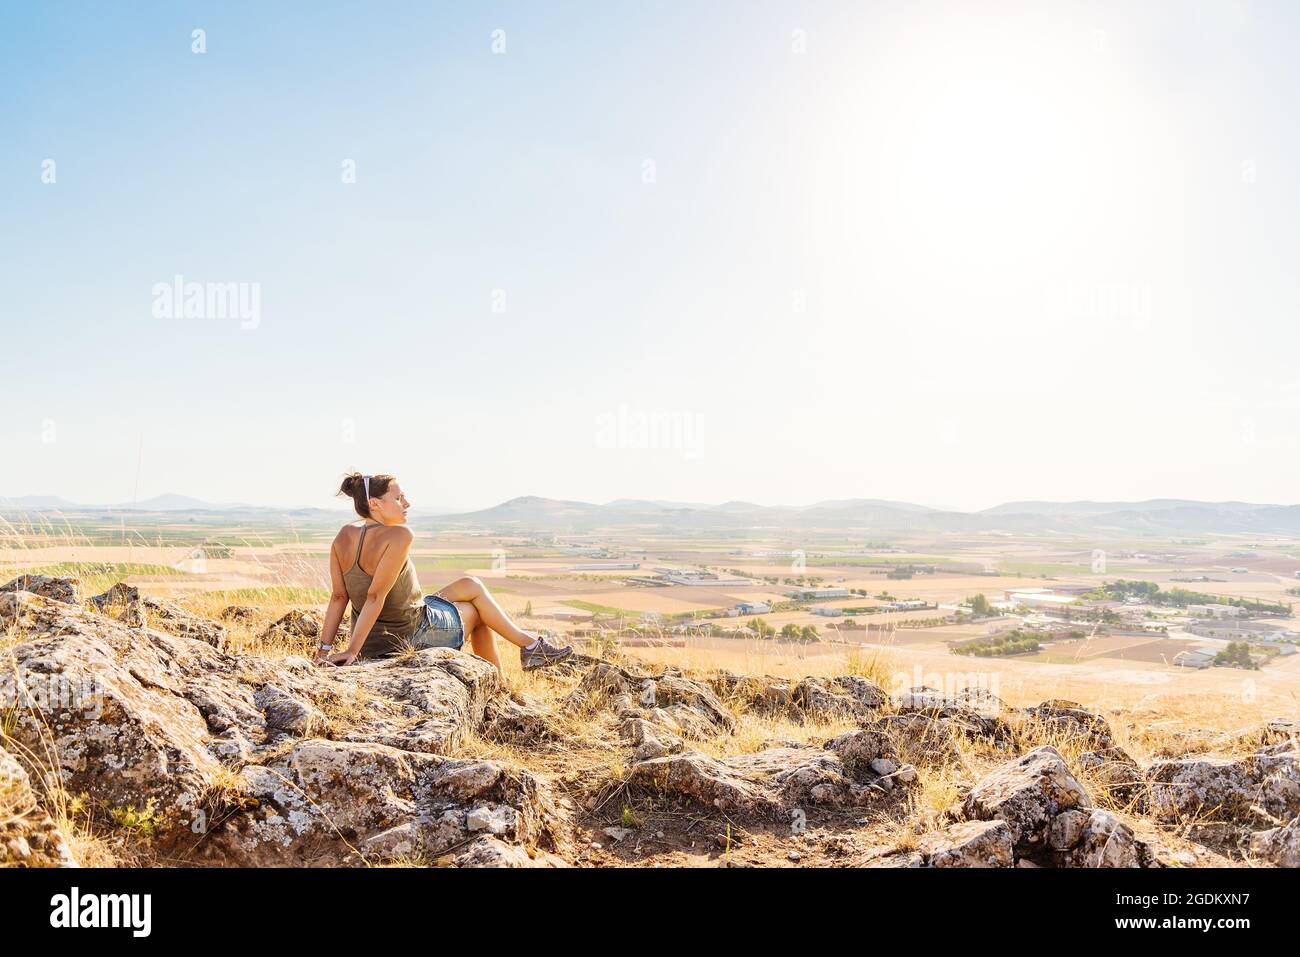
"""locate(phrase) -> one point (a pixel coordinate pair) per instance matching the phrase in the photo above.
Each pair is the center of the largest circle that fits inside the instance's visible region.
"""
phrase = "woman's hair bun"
(354, 486)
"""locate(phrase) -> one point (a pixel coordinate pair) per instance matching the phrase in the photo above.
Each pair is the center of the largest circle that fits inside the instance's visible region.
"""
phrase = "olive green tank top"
(403, 606)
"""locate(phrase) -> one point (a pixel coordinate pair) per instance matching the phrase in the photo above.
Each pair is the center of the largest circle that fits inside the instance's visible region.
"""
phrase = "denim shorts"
(441, 627)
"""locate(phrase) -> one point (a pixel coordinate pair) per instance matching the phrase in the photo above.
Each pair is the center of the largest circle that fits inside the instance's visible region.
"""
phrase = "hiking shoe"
(542, 655)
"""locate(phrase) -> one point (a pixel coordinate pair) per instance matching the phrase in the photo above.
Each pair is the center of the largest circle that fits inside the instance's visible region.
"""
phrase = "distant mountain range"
(1157, 516)
(1162, 517)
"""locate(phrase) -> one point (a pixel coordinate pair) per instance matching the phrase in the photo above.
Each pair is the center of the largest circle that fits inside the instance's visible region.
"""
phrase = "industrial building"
(807, 594)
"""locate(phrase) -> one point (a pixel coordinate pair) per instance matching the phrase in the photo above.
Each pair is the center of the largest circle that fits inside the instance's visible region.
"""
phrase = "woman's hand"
(342, 657)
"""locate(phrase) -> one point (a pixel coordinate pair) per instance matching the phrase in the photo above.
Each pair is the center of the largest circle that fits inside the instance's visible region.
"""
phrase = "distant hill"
(641, 505)
(1101, 508)
(1156, 517)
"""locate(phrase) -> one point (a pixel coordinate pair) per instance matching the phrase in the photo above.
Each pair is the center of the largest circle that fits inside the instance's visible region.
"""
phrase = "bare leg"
(472, 592)
(481, 638)
(484, 640)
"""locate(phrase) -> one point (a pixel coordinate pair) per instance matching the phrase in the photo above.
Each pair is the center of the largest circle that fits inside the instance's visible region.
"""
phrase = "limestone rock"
(685, 706)
(1072, 720)
(1277, 769)
(1027, 793)
(900, 859)
(969, 844)
(53, 587)
(491, 852)
(240, 613)
(1114, 771)
(1279, 846)
(920, 738)
(770, 783)
(297, 623)
(125, 603)
(516, 718)
(865, 754)
(846, 696)
(225, 746)
(1094, 838)
(287, 713)
(1227, 789)
(650, 740)
(969, 700)
(762, 694)
(1278, 730)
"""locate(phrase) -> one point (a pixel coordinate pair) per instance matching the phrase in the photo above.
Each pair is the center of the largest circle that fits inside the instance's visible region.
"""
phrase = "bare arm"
(390, 566)
(337, 605)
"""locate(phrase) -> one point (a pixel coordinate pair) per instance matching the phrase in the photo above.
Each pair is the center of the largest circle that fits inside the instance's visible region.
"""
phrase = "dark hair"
(354, 486)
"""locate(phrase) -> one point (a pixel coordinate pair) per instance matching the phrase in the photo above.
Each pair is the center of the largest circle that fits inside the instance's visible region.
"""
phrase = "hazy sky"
(949, 253)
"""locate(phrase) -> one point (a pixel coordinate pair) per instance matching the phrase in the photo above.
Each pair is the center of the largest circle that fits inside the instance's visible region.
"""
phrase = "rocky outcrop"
(969, 844)
(57, 588)
(239, 613)
(125, 603)
(853, 769)
(515, 718)
(1051, 819)
(28, 837)
(922, 738)
(1069, 720)
(1027, 793)
(845, 696)
(1260, 787)
(680, 706)
(1279, 846)
(761, 694)
(1092, 838)
(1114, 773)
(970, 701)
(250, 760)
(298, 624)
(331, 802)
(1279, 731)
(650, 738)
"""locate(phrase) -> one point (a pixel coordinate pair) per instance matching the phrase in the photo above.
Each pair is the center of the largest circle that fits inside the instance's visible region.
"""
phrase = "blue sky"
(888, 250)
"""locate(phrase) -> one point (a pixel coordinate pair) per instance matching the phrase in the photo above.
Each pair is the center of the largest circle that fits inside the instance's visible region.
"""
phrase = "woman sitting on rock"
(370, 566)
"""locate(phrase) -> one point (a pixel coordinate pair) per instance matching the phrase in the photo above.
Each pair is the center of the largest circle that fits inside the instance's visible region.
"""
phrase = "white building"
(909, 604)
(753, 608)
(1234, 630)
(1198, 658)
(829, 611)
(697, 576)
(1034, 599)
(1214, 611)
(811, 593)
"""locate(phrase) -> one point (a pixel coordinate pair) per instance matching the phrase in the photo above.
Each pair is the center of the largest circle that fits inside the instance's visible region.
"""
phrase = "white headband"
(366, 479)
